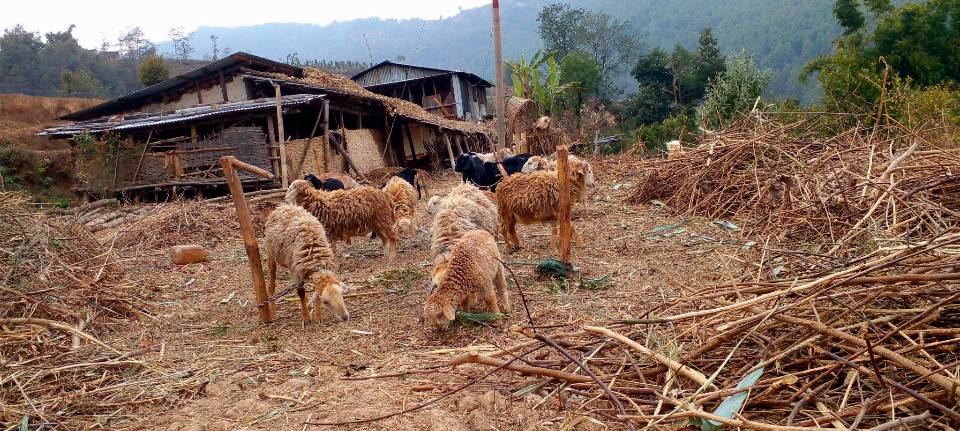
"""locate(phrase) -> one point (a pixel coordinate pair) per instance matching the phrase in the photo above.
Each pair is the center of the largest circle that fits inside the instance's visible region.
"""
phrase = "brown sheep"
(349, 213)
(535, 197)
(296, 240)
(404, 199)
(474, 271)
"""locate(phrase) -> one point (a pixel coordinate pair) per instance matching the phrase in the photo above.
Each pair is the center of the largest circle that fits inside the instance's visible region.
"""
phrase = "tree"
(216, 49)
(582, 74)
(181, 43)
(80, 83)
(134, 44)
(19, 61)
(733, 93)
(558, 25)
(710, 62)
(153, 70)
(849, 16)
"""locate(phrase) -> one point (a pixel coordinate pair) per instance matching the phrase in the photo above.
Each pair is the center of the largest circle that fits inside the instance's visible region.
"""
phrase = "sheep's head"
(330, 292)
(439, 311)
(296, 191)
(534, 163)
(433, 204)
(405, 226)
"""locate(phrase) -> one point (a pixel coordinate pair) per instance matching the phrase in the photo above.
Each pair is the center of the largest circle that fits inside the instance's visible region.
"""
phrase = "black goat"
(410, 175)
(327, 185)
(486, 174)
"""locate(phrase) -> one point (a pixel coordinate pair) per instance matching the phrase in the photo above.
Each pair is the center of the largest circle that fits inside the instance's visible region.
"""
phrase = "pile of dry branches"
(178, 222)
(62, 293)
(799, 182)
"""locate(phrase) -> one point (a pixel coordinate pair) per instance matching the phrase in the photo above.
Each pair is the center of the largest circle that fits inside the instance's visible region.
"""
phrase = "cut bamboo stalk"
(677, 367)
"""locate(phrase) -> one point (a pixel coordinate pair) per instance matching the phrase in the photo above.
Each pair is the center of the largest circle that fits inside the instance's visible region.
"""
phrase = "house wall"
(236, 90)
(365, 147)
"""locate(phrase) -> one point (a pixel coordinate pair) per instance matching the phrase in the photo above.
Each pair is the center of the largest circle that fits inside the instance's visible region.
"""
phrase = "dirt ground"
(280, 375)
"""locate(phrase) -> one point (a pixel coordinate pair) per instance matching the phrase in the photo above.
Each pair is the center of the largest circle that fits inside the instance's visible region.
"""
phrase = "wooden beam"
(563, 213)
(196, 84)
(281, 139)
(142, 153)
(446, 140)
(265, 309)
(346, 157)
(194, 139)
(272, 148)
(223, 87)
(413, 150)
(307, 145)
(326, 135)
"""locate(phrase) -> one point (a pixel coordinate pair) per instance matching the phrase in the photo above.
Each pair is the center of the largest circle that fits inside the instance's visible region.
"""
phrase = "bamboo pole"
(677, 367)
(476, 358)
(281, 139)
(446, 140)
(563, 213)
(230, 164)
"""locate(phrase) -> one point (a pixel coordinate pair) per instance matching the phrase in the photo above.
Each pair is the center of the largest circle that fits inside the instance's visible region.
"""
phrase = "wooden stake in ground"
(498, 91)
(230, 165)
(281, 139)
(563, 213)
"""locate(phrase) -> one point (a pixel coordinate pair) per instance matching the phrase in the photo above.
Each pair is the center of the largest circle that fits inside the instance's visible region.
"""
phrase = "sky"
(97, 20)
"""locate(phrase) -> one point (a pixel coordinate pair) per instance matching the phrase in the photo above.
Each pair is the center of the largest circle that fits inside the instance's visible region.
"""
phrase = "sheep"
(415, 178)
(331, 181)
(404, 204)
(538, 163)
(474, 270)
(457, 214)
(349, 213)
(296, 240)
(535, 197)
(487, 174)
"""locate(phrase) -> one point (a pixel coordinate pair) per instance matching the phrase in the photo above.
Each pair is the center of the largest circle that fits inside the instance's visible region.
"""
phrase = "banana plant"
(529, 82)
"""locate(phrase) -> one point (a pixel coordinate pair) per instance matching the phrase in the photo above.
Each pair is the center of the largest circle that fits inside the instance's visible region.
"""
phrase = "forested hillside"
(783, 35)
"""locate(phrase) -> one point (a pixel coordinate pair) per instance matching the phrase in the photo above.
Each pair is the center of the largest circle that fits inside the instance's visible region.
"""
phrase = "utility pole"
(501, 126)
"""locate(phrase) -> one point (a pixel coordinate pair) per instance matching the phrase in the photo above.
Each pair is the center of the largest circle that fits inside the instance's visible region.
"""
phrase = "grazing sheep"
(404, 199)
(535, 197)
(296, 240)
(349, 213)
(455, 215)
(473, 271)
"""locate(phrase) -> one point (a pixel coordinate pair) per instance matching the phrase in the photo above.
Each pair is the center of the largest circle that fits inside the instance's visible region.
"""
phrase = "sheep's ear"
(449, 312)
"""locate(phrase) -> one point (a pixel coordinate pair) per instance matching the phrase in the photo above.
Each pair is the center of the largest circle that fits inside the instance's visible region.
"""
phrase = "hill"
(783, 35)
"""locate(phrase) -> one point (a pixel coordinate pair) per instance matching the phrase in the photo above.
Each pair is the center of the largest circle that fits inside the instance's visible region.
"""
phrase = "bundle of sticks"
(806, 181)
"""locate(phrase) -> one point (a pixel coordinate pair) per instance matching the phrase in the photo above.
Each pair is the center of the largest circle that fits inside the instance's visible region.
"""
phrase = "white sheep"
(296, 240)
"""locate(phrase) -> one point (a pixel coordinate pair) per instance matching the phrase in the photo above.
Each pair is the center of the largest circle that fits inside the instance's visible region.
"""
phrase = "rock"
(188, 253)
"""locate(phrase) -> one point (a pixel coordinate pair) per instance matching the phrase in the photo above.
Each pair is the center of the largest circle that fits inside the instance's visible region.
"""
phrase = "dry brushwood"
(62, 293)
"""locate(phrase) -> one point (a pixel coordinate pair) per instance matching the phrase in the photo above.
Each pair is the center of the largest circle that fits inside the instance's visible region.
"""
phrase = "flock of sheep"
(301, 234)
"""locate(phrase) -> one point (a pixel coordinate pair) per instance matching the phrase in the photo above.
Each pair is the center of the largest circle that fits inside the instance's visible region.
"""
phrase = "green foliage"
(153, 70)
(610, 42)
(35, 66)
(734, 93)
(583, 76)
(654, 137)
(849, 16)
(9, 160)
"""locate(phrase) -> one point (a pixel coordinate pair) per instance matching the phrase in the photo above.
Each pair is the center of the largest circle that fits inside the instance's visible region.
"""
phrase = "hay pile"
(62, 293)
(793, 183)
(179, 222)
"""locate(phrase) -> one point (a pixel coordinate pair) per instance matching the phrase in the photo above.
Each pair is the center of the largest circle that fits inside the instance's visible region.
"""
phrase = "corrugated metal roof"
(188, 79)
(388, 72)
(155, 119)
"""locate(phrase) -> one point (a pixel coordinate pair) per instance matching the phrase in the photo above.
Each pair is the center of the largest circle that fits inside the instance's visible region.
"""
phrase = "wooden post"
(307, 146)
(413, 150)
(274, 150)
(196, 85)
(194, 139)
(498, 54)
(326, 135)
(223, 87)
(229, 164)
(281, 138)
(563, 213)
(446, 140)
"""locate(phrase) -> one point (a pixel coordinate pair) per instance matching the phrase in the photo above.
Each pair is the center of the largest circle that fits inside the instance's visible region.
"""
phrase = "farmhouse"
(170, 136)
(449, 93)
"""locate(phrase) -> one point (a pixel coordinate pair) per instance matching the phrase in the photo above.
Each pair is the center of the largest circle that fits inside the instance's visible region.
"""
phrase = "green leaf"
(733, 403)
(25, 423)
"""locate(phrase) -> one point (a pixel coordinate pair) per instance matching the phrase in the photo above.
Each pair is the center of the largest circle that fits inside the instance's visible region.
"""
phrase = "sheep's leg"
(500, 283)
(304, 310)
(509, 227)
(317, 307)
(577, 239)
(490, 298)
(389, 238)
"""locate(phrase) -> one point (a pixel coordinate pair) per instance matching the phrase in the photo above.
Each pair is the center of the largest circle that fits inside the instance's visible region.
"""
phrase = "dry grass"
(39, 110)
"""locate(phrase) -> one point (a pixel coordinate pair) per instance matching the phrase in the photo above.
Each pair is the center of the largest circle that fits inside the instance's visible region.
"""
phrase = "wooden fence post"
(284, 178)
(563, 213)
(230, 164)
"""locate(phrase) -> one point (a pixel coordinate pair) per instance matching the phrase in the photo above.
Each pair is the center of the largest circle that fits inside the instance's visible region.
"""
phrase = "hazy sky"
(99, 19)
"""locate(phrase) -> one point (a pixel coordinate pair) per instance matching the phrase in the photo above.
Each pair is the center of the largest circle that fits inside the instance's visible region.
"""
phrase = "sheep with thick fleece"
(535, 197)
(349, 213)
(405, 200)
(296, 240)
(474, 270)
